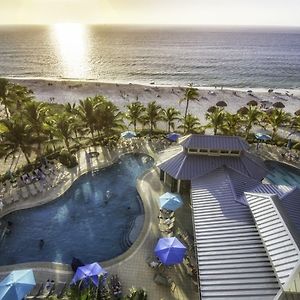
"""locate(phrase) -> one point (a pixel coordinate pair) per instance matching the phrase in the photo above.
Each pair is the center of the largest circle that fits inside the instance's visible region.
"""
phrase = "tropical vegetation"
(33, 129)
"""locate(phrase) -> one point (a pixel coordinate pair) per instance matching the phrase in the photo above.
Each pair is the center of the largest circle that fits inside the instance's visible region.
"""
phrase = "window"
(193, 150)
(235, 152)
(214, 151)
(224, 152)
(203, 150)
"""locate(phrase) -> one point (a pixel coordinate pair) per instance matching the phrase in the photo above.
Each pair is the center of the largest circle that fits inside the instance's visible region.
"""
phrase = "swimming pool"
(82, 222)
(282, 174)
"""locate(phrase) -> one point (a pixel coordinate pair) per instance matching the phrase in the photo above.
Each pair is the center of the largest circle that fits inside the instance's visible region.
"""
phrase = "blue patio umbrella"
(170, 251)
(89, 272)
(17, 285)
(173, 136)
(170, 201)
(262, 136)
(128, 134)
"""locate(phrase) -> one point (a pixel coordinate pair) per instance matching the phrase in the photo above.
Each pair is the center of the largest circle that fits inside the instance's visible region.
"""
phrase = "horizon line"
(155, 25)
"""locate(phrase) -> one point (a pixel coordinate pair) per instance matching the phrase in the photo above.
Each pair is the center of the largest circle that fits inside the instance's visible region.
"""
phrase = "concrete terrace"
(131, 267)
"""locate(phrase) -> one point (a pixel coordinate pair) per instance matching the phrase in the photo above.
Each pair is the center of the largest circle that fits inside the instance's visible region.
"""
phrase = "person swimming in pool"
(41, 244)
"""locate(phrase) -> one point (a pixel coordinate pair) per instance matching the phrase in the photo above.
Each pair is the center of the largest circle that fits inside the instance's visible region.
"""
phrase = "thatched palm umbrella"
(211, 109)
(278, 105)
(252, 103)
(297, 112)
(221, 104)
(243, 110)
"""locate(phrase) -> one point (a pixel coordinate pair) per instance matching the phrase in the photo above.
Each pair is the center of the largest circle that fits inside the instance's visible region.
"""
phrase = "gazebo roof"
(186, 166)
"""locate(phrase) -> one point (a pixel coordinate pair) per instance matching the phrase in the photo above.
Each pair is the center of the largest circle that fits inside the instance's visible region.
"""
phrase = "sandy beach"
(63, 91)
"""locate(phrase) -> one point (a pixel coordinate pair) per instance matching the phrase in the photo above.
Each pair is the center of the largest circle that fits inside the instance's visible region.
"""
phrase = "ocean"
(204, 56)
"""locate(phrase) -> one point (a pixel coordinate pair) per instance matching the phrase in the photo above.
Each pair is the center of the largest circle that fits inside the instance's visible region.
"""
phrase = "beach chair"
(24, 192)
(45, 170)
(15, 196)
(32, 189)
(59, 287)
(39, 186)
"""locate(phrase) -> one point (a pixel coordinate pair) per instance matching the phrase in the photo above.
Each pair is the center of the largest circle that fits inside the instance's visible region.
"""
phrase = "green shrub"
(67, 159)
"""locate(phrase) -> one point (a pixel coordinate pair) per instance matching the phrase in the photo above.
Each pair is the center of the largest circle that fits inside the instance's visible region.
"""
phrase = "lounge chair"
(24, 192)
(15, 196)
(39, 186)
(32, 189)
(45, 170)
(60, 289)
(35, 291)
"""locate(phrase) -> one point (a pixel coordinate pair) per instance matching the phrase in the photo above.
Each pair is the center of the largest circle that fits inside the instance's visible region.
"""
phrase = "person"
(41, 243)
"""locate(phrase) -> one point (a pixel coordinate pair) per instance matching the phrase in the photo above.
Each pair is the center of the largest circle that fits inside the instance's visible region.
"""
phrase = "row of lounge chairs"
(45, 290)
(31, 184)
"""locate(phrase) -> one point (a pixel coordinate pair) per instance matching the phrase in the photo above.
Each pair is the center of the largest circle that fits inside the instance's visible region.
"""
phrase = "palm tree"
(109, 119)
(232, 123)
(190, 94)
(170, 115)
(134, 113)
(250, 117)
(86, 111)
(4, 100)
(35, 116)
(216, 118)
(16, 137)
(153, 114)
(62, 129)
(190, 124)
(276, 118)
(19, 96)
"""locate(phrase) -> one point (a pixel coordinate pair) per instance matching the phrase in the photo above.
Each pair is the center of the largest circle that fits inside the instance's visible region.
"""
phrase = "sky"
(190, 12)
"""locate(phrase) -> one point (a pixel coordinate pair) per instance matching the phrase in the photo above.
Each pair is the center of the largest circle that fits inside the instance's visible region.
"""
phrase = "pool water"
(282, 174)
(82, 222)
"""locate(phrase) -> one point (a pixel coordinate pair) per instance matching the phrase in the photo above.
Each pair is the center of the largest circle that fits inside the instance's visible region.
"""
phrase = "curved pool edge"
(66, 268)
(59, 190)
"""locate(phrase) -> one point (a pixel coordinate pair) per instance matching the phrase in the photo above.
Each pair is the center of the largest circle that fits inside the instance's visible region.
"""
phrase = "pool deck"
(131, 266)
(271, 152)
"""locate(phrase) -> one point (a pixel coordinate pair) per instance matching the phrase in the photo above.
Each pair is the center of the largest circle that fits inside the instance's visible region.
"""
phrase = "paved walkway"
(131, 266)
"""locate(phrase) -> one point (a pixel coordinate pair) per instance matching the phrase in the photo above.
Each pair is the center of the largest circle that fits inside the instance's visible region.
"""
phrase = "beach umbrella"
(297, 112)
(250, 91)
(89, 272)
(170, 201)
(170, 251)
(173, 136)
(278, 105)
(211, 109)
(262, 136)
(270, 90)
(221, 104)
(128, 134)
(17, 285)
(252, 103)
(243, 110)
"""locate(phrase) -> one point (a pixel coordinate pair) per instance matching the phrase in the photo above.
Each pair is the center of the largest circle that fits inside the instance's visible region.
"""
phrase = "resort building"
(246, 230)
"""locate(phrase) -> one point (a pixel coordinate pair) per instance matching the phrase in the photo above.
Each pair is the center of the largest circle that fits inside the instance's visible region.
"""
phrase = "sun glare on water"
(71, 47)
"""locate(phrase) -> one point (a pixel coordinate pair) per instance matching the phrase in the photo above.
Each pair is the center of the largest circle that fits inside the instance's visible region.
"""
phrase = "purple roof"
(291, 202)
(188, 166)
(216, 142)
